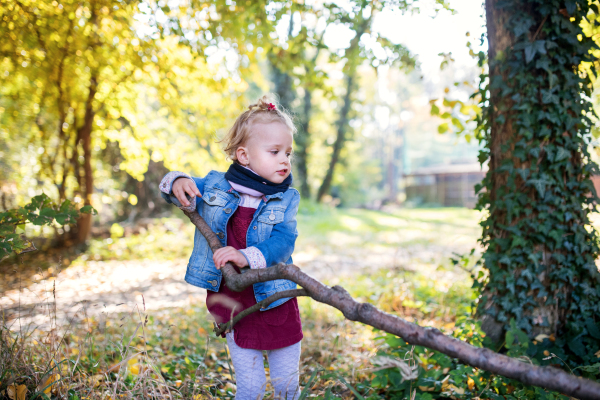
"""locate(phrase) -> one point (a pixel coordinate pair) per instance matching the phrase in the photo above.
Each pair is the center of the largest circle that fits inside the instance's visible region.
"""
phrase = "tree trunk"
(84, 133)
(342, 127)
(538, 201)
(499, 39)
(302, 140)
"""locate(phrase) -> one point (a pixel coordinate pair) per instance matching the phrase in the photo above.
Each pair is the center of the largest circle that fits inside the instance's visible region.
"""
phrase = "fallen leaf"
(408, 373)
(597, 354)
(95, 380)
(470, 383)
(455, 389)
(16, 392)
(541, 337)
(49, 382)
(135, 369)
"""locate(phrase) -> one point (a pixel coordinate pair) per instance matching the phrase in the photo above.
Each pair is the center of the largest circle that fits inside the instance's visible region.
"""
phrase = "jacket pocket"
(212, 203)
(267, 219)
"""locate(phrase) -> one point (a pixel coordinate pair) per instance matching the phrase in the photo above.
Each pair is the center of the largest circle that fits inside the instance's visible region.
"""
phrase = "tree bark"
(340, 139)
(84, 133)
(337, 297)
(499, 39)
(302, 140)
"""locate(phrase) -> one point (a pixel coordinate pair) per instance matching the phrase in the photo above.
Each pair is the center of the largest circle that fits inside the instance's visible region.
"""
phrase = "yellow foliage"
(470, 383)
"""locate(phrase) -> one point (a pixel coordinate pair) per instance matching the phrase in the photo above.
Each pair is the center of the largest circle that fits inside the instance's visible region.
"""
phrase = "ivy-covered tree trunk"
(539, 253)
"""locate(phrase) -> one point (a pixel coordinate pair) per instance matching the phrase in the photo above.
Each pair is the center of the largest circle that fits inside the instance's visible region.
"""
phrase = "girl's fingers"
(191, 189)
(180, 196)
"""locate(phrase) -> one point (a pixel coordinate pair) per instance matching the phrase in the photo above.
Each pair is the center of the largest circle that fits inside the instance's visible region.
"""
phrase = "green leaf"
(88, 210)
(435, 110)
(590, 368)
(443, 128)
(539, 184)
(561, 154)
(593, 328)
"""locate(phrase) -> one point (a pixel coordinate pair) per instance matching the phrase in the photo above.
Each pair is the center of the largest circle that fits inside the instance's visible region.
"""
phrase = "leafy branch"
(40, 211)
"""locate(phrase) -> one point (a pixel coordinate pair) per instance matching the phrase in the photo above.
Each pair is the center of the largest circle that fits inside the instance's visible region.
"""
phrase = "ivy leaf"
(577, 347)
(548, 97)
(535, 152)
(561, 154)
(522, 27)
(504, 260)
(532, 48)
(524, 172)
(553, 80)
(443, 128)
(539, 184)
(592, 328)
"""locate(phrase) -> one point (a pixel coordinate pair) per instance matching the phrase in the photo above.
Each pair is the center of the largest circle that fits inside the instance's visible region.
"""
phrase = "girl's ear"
(242, 155)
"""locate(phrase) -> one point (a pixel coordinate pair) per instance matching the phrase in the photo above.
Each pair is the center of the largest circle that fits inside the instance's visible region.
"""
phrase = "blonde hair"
(264, 111)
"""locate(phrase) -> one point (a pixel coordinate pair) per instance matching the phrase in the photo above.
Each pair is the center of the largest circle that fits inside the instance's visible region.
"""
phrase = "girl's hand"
(181, 186)
(229, 254)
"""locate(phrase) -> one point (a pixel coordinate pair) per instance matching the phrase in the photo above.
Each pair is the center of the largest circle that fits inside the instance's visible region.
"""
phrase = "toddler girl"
(252, 209)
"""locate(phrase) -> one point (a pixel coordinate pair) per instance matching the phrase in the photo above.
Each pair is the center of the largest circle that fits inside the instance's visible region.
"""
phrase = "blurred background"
(100, 99)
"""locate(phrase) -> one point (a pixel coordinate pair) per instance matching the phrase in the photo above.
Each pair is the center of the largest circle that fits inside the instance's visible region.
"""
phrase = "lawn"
(398, 260)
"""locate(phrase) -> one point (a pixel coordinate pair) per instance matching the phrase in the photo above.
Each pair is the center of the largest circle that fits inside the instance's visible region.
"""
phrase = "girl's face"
(267, 151)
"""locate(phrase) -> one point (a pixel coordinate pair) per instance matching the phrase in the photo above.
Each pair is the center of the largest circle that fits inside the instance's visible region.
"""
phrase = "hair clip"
(271, 107)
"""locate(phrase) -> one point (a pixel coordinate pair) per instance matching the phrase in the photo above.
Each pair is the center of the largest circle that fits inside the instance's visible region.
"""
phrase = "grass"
(172, 353)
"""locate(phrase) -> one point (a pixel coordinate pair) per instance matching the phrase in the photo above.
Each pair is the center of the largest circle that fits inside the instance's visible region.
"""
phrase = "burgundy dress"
(263, 330)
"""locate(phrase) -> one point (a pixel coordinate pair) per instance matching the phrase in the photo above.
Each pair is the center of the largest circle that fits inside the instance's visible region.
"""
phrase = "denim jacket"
(270, 239)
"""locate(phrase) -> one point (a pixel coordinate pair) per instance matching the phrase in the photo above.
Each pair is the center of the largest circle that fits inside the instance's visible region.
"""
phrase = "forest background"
(99, 99)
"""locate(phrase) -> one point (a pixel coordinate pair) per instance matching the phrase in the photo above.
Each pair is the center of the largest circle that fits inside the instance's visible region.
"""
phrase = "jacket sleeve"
(280, 246)
(166, 189)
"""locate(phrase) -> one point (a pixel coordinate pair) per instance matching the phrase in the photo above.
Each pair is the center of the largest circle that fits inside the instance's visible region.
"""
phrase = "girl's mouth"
(282, 172)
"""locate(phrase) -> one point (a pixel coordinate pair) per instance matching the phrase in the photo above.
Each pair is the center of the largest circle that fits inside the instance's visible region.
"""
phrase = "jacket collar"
(223, 184)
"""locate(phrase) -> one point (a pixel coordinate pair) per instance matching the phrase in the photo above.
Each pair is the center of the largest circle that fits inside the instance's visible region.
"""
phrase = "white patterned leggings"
(251, 381)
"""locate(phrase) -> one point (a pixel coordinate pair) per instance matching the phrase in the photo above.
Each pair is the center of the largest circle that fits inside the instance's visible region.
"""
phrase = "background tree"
(78, 74)
(539, 252)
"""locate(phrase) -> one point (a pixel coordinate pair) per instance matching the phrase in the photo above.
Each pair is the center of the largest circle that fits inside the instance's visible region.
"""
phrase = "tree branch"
(337, 297)
(227, 326)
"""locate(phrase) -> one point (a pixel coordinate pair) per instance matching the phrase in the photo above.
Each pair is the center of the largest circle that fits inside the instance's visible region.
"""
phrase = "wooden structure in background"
(451, 185)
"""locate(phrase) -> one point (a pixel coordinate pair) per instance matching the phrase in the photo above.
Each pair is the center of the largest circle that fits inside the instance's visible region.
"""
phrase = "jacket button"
(221, 235)
(227, 210)
(214, 282)
(254, 227)
(213, 198)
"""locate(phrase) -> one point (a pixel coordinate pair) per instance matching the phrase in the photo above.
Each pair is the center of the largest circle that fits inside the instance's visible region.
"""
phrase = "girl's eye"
(274, 152)
(288, 154)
